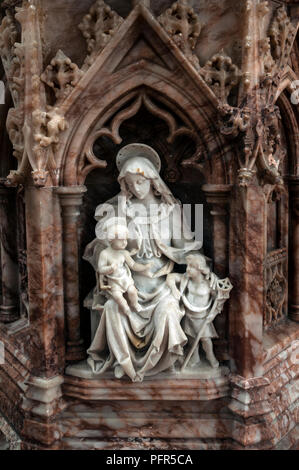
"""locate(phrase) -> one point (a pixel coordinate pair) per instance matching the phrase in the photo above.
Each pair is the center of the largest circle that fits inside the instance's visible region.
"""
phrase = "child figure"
(197, 290)
(114, 265)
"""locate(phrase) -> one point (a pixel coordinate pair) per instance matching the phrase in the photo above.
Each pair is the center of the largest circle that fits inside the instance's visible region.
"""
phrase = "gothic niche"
(137, 118)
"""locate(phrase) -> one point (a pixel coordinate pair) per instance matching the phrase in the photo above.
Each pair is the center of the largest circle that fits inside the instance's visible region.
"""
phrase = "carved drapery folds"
(98, 26)
(184, 27)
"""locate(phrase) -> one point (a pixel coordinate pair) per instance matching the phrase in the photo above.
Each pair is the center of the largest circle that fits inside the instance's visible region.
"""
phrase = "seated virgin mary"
(144, 343)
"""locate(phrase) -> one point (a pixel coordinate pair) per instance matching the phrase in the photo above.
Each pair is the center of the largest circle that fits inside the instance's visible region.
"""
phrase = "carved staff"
(224, 287)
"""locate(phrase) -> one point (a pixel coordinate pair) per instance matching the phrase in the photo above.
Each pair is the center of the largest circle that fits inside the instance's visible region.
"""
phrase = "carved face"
(138, 185)
(192, 271)
(39, 177)
(119, 243)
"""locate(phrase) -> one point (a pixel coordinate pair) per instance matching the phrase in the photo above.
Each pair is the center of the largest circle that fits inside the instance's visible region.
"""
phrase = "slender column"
(246, 260)
(46, 341)
(45, 282)
(218, 197)
(71, 199)
(294, 258)
(9, 308)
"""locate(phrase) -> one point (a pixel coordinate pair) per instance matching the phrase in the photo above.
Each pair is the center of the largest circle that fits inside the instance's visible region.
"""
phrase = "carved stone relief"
(98, 26)
(62, 76)
(184, 27)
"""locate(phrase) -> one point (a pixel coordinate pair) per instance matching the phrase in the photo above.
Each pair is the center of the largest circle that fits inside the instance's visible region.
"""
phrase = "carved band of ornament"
(184, 27)
(98, 27)
(62, 76)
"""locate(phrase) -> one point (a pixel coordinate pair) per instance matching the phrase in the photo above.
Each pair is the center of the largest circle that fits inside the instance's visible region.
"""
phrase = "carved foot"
(119, 372)
(213, 361)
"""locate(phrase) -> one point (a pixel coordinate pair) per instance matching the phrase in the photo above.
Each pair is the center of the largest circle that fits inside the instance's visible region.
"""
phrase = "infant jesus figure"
(114, 266)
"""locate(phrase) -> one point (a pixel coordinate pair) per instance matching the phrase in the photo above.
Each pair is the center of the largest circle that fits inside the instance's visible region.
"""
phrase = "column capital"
(67, 193)
(217, 193)
(71, 198)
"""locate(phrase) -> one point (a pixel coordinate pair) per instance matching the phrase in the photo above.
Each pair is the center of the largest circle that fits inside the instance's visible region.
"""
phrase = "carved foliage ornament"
(182, 24)
(221, 75)
(98, 26)
(276, 287)
(62, 76)
(259, 118)
(282, 34)
(12, 54)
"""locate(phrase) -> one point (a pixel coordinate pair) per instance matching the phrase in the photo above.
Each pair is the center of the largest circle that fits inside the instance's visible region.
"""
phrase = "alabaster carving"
(62, 76)
(134, 257)
(245, 97)
(203, 296)
(184, 27)
(221, 75)
(115, 263)
(97, 27)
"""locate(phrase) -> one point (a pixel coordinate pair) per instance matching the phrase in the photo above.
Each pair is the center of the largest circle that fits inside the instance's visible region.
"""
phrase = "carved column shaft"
(217, 197)
(71, 199)
(246, 263)
(45, 283)
(9, 268)
(294, 259)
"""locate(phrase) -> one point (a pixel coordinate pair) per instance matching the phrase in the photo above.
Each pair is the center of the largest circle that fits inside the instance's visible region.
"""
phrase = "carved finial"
(282, 34)
(98, 27)
(146, 3)
(221, 75)
(8, 36)
(182, 24)
(61, 75)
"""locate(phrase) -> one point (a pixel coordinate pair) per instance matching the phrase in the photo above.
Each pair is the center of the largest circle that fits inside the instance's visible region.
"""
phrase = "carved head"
(117, 233)
(39, 177)
(196, 264)
(139, 167)
(14, 179)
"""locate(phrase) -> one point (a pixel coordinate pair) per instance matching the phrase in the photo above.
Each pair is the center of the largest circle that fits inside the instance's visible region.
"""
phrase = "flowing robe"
(150, 341)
